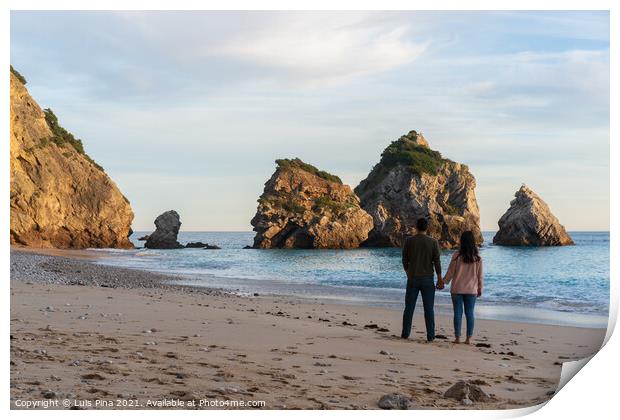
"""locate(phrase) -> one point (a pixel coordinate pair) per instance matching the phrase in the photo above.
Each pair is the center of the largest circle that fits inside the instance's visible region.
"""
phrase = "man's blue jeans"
(458, 302)
(426, 286)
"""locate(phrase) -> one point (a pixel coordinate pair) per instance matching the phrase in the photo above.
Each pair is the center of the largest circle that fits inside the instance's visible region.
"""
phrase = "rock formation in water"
(167, 227)
(303, 207)
(412, 181)
(59, 196)
(201, 245)
(529, 221)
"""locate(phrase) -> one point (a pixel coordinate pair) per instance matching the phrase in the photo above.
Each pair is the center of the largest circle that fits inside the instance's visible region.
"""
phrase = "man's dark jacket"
(420, 256)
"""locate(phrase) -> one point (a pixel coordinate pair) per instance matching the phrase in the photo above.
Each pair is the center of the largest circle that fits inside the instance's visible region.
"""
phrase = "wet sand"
(140, 341)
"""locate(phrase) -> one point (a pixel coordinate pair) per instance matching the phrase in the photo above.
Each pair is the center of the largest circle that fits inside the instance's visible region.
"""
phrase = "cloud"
(325, 51)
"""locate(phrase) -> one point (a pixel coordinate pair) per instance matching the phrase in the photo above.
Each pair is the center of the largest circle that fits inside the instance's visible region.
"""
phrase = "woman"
(465, 272)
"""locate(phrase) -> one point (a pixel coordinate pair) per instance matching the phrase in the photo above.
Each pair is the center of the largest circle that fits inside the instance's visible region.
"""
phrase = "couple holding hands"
(421, 261)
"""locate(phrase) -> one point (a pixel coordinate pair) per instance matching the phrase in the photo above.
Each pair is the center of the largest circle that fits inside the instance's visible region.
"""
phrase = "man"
(420, 257)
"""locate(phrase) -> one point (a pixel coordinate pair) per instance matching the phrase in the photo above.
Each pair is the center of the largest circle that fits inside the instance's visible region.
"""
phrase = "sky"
(189, 110)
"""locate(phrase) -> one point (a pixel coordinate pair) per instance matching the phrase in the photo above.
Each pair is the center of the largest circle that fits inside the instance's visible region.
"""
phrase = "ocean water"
(558, 285)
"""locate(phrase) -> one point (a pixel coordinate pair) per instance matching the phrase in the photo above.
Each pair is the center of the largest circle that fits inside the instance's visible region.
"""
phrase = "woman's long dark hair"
(468, 249)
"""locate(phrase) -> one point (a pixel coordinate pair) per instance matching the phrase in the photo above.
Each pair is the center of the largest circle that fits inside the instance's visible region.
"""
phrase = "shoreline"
(367, 297)
(88, 332)
(332, 294)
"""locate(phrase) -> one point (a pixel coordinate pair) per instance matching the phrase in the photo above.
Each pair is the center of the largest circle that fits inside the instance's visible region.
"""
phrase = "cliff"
(59, 196)
(529, 222)
(303, 207)
(412, 181)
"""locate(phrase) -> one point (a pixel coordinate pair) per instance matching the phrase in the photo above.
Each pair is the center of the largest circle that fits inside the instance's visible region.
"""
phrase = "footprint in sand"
(94, 376)
(98, 391)
(158, 381)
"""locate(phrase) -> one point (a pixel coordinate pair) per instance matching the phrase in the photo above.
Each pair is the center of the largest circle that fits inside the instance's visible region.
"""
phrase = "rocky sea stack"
(303, 207)
(529, 222)
(59, 196)
(412, 181)
(167, 227)
(201, 245)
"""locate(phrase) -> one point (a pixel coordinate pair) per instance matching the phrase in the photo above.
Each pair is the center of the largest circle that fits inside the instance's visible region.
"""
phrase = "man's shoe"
(404, 337)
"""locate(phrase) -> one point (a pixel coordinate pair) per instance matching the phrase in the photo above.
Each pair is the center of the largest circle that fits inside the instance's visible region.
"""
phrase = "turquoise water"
(562, 285)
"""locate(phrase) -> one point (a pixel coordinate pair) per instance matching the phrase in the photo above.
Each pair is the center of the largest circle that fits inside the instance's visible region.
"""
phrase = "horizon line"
(248, 231)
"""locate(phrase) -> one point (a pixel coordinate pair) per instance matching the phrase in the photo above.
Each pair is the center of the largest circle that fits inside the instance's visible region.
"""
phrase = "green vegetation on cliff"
(298, 163)
(408, 152)
(18, 75)
(418, 159)
(286, 202)
(61, 136)
(324, 202)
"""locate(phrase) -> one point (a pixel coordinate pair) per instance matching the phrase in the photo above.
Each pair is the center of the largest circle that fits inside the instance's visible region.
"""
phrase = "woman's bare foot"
(457, 340)
(467, 340)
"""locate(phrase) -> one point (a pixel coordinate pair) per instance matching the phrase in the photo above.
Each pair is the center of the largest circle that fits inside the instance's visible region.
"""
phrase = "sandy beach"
(87, 333)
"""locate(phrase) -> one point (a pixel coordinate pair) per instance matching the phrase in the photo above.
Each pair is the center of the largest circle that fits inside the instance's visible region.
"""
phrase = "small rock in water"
(198, 244)
(387, 353)
(167, 228)
(466, 401)
(395, 402)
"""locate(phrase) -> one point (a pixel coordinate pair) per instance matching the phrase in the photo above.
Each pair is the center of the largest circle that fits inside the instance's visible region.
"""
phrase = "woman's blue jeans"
(458, 303)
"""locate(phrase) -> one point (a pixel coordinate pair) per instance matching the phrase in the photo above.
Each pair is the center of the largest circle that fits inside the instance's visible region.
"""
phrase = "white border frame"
(592, 394)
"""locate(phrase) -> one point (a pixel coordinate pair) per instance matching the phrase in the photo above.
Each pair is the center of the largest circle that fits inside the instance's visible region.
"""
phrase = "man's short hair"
(422, 224)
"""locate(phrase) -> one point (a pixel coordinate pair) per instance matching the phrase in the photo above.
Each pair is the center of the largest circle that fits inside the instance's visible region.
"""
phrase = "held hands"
(440, 285)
